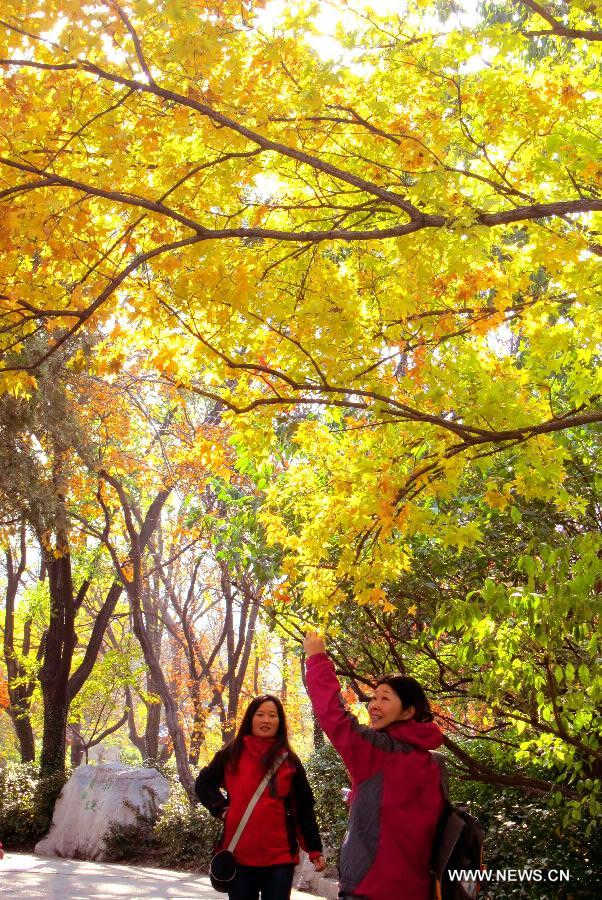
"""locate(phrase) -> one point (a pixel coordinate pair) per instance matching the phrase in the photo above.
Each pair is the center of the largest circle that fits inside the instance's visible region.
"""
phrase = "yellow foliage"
(458, 300)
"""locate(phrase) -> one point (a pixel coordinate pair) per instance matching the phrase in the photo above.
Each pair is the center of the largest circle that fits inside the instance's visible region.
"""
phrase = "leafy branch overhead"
(424, 144)
(402, 230)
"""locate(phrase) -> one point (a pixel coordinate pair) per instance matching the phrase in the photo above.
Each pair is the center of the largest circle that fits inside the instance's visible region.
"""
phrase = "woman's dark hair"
(411, 693)
(235, 748)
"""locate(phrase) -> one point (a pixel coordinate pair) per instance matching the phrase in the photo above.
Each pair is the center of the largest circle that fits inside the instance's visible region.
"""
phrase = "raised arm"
(360, 747)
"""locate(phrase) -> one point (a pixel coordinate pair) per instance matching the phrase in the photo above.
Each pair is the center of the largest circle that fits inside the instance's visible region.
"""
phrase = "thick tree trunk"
(54, 674)
(58, 686)
(54, 743)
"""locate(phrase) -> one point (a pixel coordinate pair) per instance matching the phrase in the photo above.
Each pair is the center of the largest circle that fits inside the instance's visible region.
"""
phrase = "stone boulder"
(94, 798)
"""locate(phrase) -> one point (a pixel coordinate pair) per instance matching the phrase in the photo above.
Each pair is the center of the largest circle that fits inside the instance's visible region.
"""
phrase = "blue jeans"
(272, 882)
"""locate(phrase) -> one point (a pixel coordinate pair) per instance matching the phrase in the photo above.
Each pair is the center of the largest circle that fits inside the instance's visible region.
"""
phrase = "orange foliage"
(4, 698)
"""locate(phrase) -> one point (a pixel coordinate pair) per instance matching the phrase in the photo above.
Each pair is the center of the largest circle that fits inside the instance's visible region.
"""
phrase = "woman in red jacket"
(396, 797)
(283, 818)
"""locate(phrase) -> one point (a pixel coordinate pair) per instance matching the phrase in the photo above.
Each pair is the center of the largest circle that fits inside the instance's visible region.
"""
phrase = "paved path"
(25, 876)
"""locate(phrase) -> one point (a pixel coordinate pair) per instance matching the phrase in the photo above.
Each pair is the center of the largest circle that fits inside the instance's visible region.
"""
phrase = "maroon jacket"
(396, 797)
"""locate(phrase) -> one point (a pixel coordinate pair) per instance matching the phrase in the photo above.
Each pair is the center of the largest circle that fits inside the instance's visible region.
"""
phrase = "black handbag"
(222, 869)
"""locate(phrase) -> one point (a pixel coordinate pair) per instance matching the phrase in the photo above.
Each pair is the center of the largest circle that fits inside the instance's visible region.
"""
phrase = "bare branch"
(133, 34)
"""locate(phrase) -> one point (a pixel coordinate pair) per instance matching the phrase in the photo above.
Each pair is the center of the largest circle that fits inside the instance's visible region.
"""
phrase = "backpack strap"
(440, 760)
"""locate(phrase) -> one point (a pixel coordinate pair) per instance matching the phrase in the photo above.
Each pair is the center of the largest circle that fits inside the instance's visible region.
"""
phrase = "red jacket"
(396, 797)
(283, 817)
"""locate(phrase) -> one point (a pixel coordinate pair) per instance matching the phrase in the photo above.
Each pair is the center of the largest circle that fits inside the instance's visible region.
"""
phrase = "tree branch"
(78, 678)
(104, 734)
(557, 28)
(477, 771)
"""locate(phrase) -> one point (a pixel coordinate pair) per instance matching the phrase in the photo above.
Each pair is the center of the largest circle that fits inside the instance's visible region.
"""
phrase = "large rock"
(94, 798)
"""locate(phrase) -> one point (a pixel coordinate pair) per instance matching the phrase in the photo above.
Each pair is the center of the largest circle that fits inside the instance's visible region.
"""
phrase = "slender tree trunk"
(20, 684)
(24, 732)
(153, 724)
(318, 734)
(146, 742)
(174, 727)
(229, 723)
(285, 673)
(198, 728)
(154, 629)
(238, 645)
(77, 749)
(136, 739)
(194, 749)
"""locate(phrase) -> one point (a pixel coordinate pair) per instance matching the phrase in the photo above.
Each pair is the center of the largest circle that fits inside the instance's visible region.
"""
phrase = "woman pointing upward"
(396, 797)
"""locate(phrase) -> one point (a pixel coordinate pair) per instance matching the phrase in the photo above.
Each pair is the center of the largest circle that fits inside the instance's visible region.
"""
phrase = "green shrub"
(133, 843)
(522, 831)
(187, 834)
(26, 804)
(181, 837)
(327, 776)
